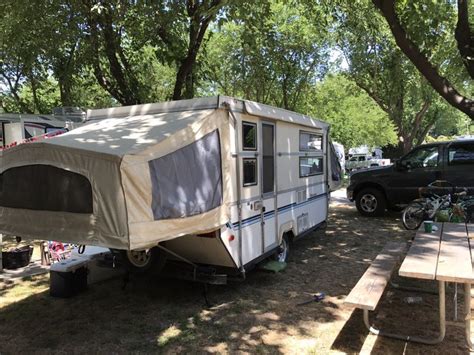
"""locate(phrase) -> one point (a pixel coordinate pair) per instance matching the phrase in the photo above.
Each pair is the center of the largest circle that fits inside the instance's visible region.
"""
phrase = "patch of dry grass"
(258, 315)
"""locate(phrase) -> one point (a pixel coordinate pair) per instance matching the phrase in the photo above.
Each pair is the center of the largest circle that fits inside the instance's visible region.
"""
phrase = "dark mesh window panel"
(250, 171)
(45, 188)
(188, 181)
(249, 136)
(268, 157)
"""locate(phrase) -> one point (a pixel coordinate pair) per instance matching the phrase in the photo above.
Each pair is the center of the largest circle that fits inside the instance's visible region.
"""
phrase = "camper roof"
(215, 102)
(130, 129)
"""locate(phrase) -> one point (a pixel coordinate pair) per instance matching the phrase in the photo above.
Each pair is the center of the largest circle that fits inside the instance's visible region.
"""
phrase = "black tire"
(283, 250)
(142, 261)
(413, 215)
(371, 202)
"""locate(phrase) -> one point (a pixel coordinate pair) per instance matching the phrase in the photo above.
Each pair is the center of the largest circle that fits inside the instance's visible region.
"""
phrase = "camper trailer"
(215, 181)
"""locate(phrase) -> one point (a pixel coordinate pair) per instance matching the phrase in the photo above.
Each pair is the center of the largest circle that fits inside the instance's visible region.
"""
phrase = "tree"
(354, 117)
(379, 67)
(175, 29)
(19, 54)
(439, 83)
(272, 53)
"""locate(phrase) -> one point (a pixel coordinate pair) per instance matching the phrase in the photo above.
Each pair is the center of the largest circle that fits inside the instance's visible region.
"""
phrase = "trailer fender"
(285, 228)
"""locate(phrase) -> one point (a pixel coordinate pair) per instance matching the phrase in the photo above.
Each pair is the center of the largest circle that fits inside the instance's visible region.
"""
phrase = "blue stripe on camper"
(270, 214)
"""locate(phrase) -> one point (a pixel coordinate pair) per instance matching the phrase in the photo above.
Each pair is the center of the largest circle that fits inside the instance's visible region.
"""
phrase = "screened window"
(187, 181)
(250, 171)
(45, 188)
(249, 136)
(310, 166)
(462, 154)
(310, 141)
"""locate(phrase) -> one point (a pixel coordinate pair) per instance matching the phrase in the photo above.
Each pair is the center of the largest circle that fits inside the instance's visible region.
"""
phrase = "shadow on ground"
(259, 315)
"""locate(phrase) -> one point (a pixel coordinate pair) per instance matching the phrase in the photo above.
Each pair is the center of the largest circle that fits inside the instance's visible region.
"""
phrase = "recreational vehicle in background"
(15, 127)
(218, 181)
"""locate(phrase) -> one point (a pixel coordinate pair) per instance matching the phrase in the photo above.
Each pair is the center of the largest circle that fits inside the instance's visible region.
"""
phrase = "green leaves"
(354, 117)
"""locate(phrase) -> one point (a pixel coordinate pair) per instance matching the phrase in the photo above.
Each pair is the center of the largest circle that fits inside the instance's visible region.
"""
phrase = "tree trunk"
(65, 88)
(34, 91)
(200, 18)
(439, 83)
(119, 79)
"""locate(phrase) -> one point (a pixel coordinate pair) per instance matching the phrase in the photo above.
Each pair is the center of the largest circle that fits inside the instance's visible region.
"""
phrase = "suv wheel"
(371, 202)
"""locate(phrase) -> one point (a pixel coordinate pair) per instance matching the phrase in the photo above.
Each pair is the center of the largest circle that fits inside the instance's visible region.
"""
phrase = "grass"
(259, 315)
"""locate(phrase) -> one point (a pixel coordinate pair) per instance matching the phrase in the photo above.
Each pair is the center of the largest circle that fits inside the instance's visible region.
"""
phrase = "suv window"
(461, 154)
(425, 157)
(361, 158)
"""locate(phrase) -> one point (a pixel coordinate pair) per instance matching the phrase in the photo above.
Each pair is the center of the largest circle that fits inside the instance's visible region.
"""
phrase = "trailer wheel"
(283, 250)
(143, 260)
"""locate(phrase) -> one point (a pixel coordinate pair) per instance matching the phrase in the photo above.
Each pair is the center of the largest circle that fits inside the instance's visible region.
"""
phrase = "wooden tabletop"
(443, 255)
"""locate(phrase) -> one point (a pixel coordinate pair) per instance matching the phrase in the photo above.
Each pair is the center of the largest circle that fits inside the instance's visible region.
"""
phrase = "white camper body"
(216, 181)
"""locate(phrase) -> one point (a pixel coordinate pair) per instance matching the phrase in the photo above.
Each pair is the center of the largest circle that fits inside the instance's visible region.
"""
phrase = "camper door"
(267, 183)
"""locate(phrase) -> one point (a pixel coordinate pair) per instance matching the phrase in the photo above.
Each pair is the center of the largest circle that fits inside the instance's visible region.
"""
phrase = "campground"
(259, 315)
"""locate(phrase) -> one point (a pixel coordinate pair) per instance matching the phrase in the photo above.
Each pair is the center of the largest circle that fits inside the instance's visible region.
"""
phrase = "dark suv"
(377, 189)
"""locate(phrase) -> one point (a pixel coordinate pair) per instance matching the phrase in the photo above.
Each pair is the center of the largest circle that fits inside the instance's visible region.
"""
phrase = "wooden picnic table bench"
(367, 292)
(444, 255)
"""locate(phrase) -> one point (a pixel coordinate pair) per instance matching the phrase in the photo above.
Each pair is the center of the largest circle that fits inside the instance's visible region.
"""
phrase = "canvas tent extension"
(95, 184)
(132, 176)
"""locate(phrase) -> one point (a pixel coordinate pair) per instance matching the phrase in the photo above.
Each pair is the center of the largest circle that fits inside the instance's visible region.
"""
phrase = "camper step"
(273, 266)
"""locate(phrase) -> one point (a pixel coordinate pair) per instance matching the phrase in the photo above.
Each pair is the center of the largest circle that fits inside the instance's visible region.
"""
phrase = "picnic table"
(444, 255)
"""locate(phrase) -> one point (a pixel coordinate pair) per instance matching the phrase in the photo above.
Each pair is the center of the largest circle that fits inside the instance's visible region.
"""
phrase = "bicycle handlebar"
(438, 183)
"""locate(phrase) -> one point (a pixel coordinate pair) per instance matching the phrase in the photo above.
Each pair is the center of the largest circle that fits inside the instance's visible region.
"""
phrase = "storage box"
(68, 278)
(16, 258)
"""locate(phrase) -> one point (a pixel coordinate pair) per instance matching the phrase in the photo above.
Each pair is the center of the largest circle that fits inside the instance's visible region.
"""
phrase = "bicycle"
(456, 206)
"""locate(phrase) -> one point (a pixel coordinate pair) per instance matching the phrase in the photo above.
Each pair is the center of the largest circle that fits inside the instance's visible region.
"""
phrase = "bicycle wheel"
(413, 215)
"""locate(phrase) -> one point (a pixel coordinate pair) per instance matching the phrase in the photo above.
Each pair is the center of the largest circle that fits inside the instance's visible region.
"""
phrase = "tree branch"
(440, 84)
(372, 95)
(464, 38)
(418, 119)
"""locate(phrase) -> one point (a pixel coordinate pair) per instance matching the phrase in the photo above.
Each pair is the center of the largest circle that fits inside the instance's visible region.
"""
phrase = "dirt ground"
(259, 315)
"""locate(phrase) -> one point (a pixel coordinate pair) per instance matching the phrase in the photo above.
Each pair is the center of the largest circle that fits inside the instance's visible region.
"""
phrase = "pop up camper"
(216, 181)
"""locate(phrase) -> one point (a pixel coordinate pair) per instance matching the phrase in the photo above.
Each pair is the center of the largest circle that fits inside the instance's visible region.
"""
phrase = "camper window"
(310, 141)
(250, 171)
(311, 166)
(249, 136)
(187, 181)
(45, 188)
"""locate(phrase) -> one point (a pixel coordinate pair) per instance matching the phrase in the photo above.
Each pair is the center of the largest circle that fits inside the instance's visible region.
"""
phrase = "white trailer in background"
(15, 127)
(215, 181)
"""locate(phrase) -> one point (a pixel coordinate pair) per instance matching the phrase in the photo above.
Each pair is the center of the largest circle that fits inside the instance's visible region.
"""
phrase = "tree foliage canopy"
(96, 53)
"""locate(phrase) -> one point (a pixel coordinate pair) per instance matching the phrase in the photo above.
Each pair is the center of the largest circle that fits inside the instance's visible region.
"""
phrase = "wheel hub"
(368, 203)
(139, 258)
